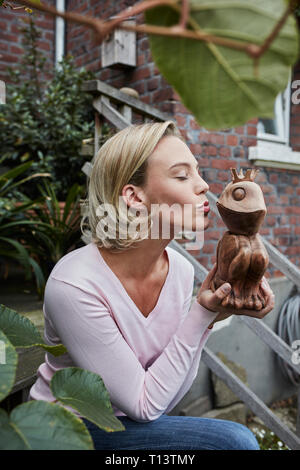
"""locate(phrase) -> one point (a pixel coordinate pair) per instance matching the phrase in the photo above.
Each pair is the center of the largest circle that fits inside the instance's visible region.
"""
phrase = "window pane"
(268, 126)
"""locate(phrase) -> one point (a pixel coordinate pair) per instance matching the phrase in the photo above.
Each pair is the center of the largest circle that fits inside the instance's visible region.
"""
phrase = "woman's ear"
(133, 197)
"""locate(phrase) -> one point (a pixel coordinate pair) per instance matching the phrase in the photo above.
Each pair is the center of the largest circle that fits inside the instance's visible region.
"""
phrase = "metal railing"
(117, 108)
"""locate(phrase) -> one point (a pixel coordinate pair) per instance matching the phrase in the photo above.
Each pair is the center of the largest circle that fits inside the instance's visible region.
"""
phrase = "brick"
(194, 125)
(267, 189)
(232, 140)
(140, 59)
(216, 188)
(239, 130)
(153, 84)
(289, 190)
(225, 152)
(213, 235)
(204, 162)
(223, 164)
(181, 122)
(210, 150)
(282, 231)
(270, 200)
(251, 130)
(292, 210)
(273, 178)
(162, 95)
(208, 248)
(211, 138)
(274, 209)
(271, 221)
(224, 176)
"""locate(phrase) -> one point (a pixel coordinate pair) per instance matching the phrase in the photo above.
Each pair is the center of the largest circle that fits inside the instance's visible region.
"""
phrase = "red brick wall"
(11, 48)
(215, 151)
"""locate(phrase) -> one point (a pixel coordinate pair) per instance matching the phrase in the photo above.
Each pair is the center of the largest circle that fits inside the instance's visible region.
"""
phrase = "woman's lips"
(204, 206)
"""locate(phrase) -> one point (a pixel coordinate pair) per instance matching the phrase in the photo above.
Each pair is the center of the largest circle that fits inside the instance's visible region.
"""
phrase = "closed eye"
(181, 178)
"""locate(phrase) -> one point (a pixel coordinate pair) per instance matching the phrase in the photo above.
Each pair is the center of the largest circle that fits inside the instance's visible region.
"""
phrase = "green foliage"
(37, 233)
(14, 225)
(8, 365)
(40, 425)
(22, 333)
(267, 440)
(85, 392)
(46, 121)
(59, 230)
(220, 85)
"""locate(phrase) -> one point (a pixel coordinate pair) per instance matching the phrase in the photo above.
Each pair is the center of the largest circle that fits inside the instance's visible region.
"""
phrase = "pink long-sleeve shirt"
(147, 363)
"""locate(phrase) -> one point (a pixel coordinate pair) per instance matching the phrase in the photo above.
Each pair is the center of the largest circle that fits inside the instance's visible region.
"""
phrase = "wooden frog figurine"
(242, 258)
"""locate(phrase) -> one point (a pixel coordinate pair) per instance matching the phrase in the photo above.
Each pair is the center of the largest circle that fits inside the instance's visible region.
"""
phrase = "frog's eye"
(238, 194)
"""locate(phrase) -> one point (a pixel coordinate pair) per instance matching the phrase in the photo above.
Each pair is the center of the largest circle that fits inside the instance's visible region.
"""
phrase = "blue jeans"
(175, 432)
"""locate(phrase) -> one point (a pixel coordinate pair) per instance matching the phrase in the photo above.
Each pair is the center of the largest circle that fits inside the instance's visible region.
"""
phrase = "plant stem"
(104, 28)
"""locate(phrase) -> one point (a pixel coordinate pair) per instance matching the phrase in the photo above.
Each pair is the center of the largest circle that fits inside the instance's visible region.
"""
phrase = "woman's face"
(173, 179)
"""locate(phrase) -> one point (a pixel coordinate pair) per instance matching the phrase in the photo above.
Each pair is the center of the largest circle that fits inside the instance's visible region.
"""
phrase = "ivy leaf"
(219, 85)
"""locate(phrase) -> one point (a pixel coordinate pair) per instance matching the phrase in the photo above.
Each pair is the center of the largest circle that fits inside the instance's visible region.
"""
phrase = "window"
(273, 149)
(277, 129)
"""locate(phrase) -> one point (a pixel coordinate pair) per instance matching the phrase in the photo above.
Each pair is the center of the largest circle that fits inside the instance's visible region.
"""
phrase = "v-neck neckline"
(150, 315)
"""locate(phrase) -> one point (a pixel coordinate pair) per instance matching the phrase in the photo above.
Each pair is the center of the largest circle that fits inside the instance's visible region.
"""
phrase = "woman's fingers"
(253, 313)
(264, 285)
(209, 277)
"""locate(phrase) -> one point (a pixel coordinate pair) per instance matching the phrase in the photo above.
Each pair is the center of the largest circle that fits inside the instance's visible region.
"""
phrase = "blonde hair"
(121, 160)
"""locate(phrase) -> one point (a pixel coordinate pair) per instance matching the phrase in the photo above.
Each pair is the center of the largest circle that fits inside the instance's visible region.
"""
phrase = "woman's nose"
(202, 186)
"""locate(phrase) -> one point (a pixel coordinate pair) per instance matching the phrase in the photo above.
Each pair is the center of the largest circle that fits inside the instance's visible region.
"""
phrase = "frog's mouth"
(241, 223)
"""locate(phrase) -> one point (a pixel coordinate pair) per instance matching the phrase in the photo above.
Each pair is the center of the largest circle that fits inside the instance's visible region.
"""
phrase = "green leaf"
(10, 439)
(39, 425)
(23, 333)
(11, 174)
(216, 83)
(85, 392)
(8, 366)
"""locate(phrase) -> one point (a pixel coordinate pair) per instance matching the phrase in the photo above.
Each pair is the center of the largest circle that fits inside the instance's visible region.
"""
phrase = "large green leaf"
(12, 174)
(85, 392)
(39, 425)
(23, 333)
(8, 366)
(216, 83)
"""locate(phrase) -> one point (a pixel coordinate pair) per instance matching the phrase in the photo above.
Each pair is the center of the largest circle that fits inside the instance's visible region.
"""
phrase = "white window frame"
(281, 118)
(274, 150)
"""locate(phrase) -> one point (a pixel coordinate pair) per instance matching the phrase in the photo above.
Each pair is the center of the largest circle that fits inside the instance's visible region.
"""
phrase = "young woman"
(121, 304)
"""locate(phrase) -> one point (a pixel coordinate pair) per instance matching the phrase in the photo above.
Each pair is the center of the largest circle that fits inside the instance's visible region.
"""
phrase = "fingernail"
(226, 287)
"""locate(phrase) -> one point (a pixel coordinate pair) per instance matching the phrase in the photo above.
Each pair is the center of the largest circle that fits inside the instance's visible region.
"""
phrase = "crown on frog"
(250, 175)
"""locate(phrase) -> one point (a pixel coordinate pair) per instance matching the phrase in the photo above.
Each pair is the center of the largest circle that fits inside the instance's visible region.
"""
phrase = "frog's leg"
(233, 262)
(258, 265)
(238, 270)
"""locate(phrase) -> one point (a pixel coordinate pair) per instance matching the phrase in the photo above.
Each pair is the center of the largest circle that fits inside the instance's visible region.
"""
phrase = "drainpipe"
(59, 33)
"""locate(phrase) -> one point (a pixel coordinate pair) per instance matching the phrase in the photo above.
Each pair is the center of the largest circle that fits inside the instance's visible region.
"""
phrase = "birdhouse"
(119, 48)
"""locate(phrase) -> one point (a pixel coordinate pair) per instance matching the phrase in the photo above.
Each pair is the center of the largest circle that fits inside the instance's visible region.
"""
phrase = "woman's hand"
(213, 300)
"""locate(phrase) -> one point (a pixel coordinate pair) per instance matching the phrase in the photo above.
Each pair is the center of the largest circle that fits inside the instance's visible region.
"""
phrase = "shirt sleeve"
(95, 343)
